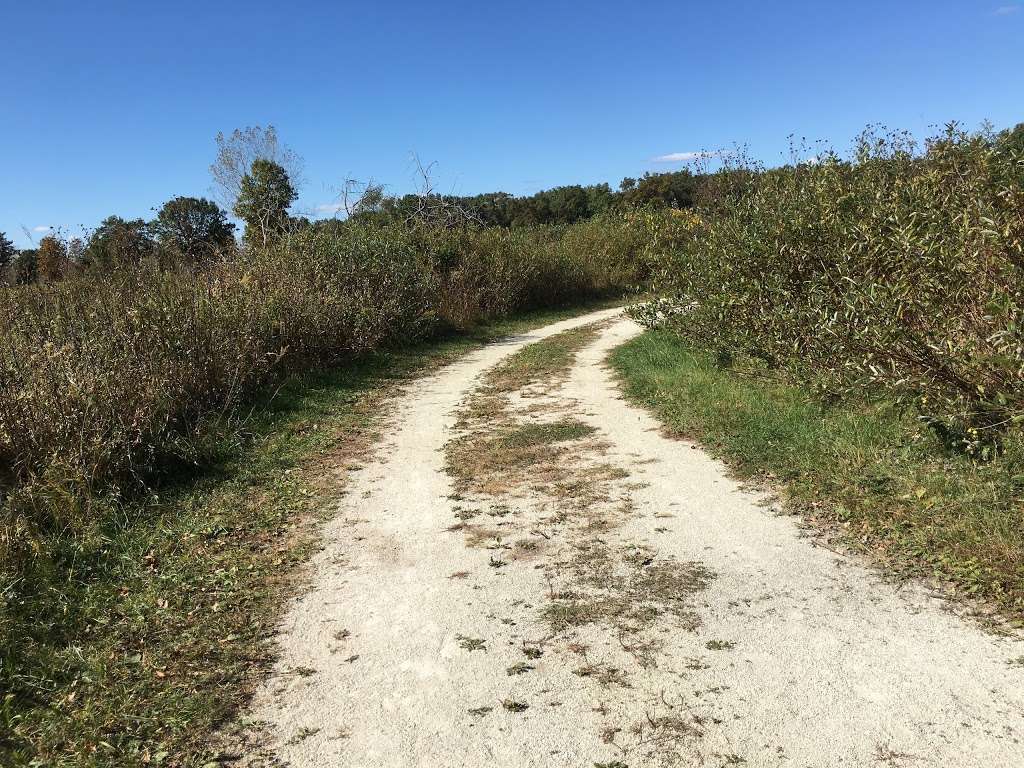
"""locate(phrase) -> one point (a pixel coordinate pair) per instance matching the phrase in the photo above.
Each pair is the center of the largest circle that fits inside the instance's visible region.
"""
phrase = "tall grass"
(106, 378)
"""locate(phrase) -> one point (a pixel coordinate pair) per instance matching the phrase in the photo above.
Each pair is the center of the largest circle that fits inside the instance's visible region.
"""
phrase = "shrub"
(106, 376)
(897, 271)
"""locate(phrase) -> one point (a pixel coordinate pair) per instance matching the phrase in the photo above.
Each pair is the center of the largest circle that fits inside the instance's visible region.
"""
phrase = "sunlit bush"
(897, 271)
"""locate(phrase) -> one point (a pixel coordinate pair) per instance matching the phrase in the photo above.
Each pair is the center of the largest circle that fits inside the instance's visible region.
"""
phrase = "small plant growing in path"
(471, 643)
(719, 645)
(303, 734)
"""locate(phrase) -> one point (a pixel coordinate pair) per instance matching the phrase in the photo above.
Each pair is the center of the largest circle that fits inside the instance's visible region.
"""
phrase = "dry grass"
(625, 590)
(547, 361)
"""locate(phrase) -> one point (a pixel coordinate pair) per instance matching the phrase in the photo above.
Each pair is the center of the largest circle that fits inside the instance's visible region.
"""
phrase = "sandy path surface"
(611, 598)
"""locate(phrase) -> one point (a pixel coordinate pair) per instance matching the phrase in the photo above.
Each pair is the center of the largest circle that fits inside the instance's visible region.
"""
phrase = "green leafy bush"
(897, 271)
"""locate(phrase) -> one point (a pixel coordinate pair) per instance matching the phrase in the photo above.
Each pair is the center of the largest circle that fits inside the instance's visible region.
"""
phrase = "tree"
(1012, 139)
(25, 269)
(237, 153)
(674, 190)
(194, 227)
(51, 259)
(263, 200)
(7, 254)
(75, 252)
(117, 242)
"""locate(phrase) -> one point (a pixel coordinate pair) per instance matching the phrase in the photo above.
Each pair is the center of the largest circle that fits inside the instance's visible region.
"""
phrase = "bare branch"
(236, 154)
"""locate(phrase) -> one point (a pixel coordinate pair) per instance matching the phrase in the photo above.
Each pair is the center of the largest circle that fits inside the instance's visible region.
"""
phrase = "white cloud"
(42, 228)
(330, 207)
(1006, 10)
(682, 157)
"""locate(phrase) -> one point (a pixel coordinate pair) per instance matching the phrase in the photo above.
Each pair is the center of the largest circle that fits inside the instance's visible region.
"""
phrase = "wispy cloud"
(683, 157)
(42, 228)
(330, 207)
(1006, 10)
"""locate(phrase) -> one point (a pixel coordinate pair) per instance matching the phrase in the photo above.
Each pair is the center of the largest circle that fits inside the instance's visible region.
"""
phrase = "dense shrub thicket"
(900, 270)
(104, 374)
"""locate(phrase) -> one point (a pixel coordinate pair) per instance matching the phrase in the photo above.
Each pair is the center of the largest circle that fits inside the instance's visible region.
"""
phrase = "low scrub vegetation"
(898, 271)
(113, 375)
(854, 328)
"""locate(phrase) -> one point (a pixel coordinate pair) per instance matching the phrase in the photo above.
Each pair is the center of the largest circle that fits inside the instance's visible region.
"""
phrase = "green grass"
(546, 359)
(137, 644)
(872, 472)
(532, 435)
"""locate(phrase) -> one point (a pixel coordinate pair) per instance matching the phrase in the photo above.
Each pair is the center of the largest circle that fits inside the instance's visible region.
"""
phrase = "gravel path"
(610, 599)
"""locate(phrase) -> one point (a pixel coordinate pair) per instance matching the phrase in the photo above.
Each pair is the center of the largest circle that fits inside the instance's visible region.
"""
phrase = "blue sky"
(112, 107)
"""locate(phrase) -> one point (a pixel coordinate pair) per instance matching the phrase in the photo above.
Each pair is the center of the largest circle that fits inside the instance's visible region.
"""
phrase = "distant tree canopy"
(189, 229)
(193, 228)
(236, 154)
(51, 259)
(560, 205)
(25, 268)
(1013, 138)
(668, 190)
(118, 242)
(264, 197)
(7, 254)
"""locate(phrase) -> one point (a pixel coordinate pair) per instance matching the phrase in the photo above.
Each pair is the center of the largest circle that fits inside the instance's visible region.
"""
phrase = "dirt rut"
(578, 590)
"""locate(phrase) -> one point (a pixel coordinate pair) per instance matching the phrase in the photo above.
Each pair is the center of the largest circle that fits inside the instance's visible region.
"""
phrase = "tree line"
(257, 179)
(559, 205)
(187, 231)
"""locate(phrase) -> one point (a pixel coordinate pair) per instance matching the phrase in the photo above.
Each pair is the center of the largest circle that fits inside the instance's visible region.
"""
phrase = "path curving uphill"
(530, 574)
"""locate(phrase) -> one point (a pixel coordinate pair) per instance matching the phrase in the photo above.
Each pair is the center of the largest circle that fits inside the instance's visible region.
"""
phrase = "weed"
(719, 645)
(604, 675)
(303, 734)
(512, 705)
(471, 643)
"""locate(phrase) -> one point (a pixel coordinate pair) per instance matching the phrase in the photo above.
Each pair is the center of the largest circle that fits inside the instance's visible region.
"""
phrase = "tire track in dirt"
(582, 591)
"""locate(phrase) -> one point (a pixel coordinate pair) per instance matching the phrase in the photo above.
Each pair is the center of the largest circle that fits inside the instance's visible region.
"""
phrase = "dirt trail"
(577, 590)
